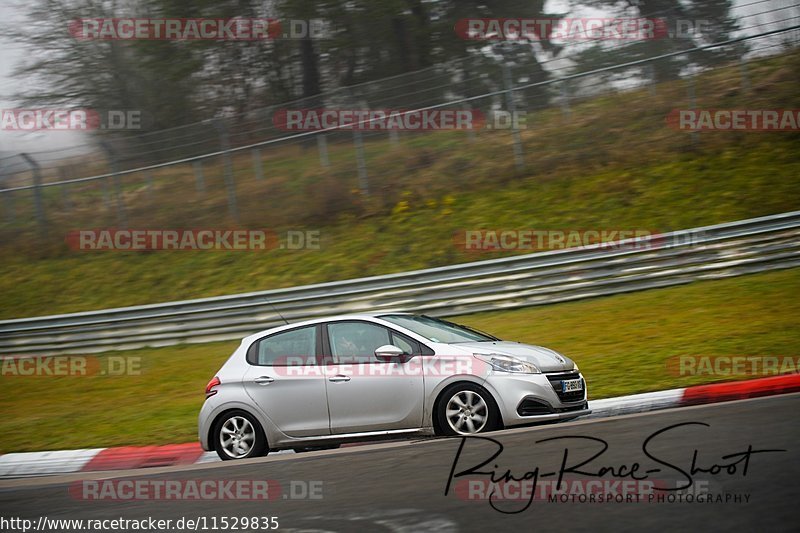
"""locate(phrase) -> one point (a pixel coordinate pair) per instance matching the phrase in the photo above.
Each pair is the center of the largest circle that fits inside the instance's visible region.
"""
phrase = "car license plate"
(571, 385)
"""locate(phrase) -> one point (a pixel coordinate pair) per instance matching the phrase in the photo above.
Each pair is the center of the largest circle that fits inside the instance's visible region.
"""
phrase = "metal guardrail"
(710, 252)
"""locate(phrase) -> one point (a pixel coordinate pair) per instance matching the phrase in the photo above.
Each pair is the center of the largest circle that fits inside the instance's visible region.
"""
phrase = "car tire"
(467, 409)
(238, 435)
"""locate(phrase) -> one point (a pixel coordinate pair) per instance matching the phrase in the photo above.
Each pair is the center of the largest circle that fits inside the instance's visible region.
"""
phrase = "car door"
(365, 393)
(286, 382)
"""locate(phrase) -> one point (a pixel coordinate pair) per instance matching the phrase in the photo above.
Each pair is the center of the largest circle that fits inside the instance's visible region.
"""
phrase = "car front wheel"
(238, 435)
(466, 409)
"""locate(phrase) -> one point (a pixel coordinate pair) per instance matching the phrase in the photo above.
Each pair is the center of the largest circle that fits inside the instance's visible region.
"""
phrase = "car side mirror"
(388, 351)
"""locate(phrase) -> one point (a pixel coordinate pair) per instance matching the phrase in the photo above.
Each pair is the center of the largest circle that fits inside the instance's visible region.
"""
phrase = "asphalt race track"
(400, 487)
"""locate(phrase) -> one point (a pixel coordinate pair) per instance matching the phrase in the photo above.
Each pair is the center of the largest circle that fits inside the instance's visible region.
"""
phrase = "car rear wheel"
(466, 409)
(238, 435)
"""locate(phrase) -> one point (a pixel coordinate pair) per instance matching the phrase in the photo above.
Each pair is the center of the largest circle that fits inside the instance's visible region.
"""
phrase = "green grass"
(621, 343)
(613, 165)
(686, 192)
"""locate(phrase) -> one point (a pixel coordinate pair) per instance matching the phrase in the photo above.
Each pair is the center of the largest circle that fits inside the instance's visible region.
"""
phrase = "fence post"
(565, 109)
(651, 73)
(150, 185)
(37, 193)
(358, 143)
(230, 184)
(519, 161)
(8, 199)
(257, 164)
(692, 104)
(745, 74)
(122, 216)
(106, 194)
(322, 146)
(363, 179)
(465, 92)
(8, 202)
(62, 176)
(199, 181)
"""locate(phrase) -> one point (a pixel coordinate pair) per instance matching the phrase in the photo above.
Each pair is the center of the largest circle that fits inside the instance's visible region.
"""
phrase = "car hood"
(545, 359)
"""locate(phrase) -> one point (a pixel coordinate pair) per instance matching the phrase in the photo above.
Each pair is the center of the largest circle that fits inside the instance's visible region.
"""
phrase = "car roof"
(351, 316)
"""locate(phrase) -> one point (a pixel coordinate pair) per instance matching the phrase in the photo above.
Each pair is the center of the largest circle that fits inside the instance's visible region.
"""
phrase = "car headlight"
(575, 367)
(506, 363)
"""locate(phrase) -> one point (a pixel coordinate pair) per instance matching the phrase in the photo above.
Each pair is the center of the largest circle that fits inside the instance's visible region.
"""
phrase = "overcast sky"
(12, 13)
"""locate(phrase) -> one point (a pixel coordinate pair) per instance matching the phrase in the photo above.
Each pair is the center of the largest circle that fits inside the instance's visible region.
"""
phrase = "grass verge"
(613, 165)
(621, 343)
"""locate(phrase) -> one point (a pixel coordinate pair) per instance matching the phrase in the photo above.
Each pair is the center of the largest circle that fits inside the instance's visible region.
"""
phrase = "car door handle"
(338, 379)
(264, 380)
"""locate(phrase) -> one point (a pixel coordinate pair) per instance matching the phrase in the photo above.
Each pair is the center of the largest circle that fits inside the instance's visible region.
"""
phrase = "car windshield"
(437, 330)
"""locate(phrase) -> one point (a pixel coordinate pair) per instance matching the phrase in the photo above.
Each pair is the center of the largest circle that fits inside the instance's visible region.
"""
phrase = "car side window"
(409, 346)
(355, 342)
(289, 348)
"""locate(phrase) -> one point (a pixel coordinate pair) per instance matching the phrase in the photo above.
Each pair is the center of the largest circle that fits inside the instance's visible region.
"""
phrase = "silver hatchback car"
(317, 384)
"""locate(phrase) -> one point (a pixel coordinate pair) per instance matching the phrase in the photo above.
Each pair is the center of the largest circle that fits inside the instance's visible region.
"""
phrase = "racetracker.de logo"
(566, 29)
(545, 240)
(734, 119)
(171, 239)
(151, 489)
(600, 491)
(48, 119)
(733, 365)
(192, 29)
(378, 119)
(370, 366)
(195, 489)
(586, 491)
(69, 365)
(51, 119)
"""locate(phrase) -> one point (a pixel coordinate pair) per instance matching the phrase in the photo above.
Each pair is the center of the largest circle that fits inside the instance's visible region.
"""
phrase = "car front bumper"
(529, 398)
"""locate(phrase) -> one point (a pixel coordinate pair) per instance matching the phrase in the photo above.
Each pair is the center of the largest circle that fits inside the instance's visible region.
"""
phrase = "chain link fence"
(251, 169)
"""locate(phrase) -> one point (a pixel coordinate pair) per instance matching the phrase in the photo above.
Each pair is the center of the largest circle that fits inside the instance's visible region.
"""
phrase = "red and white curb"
(695, 395)
(131, 457)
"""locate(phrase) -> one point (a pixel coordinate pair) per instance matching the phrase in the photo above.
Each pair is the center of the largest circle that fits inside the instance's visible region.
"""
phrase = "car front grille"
(555, 379)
